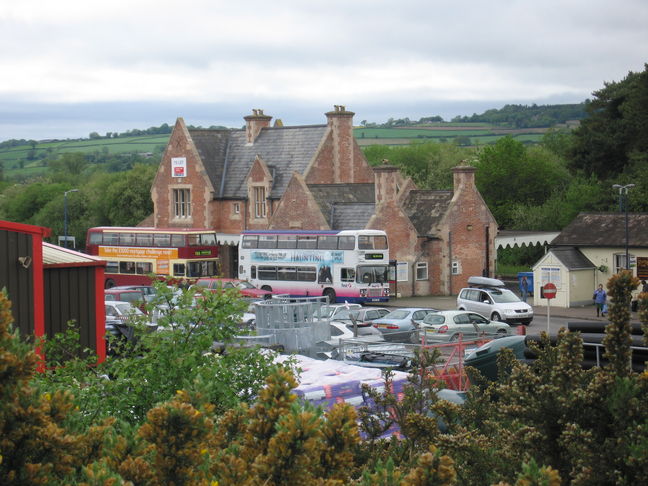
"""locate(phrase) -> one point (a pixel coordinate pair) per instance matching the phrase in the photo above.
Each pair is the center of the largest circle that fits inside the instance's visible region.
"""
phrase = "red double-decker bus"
(132, 254)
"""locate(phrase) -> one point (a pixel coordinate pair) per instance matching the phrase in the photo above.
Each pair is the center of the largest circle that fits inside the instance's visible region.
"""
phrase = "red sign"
(549, 291)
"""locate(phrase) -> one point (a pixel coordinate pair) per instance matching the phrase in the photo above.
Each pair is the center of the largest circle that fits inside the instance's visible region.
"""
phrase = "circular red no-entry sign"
(549, 291)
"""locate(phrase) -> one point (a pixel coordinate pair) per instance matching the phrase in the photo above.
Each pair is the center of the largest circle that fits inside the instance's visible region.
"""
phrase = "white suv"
(488, 297)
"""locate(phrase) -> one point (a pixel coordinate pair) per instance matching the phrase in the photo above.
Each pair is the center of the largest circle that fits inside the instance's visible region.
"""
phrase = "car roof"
(113, 290)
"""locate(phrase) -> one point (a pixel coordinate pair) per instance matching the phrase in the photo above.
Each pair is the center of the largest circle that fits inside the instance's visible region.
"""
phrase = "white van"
(490, 298)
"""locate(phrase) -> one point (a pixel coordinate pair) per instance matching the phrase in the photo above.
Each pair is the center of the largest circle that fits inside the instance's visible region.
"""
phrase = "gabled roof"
(228, 157)
(605, 230)
(572, 258)
(426, 209)
(345, 206)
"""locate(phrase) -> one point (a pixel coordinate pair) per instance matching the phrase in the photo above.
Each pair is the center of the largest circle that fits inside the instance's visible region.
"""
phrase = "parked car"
(490, 298)
(340, 331)
(450, 324)
(331, 311)
(147, 290)
(401, 324)
(244, 287)
(124, 295)
(363, 315)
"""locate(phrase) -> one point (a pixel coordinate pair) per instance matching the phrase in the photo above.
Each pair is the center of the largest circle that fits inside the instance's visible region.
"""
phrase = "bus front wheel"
(330, 295)
(110, 283)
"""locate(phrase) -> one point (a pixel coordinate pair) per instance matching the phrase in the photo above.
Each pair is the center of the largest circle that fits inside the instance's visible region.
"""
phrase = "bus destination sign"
(374, 256)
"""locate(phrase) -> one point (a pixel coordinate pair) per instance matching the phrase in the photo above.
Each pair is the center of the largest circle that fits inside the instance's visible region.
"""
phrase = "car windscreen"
(434, 319)
(245, 285)
(132, 296)
(397, 314)
(504, 296)
(125, 308)
(346, 314)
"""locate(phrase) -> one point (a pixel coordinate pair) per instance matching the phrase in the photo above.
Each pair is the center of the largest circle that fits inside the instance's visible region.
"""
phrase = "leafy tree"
(510, 174)
(428, 164)
(127, 201)
(22, 203)
(616, 128)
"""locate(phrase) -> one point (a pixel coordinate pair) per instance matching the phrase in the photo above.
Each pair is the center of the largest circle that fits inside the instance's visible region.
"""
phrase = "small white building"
(587, 253)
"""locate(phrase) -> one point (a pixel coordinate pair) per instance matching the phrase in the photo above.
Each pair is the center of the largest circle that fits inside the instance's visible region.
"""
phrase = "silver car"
(401, 324)
(450, 325)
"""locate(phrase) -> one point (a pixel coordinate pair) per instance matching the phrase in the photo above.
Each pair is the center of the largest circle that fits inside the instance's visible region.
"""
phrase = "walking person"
(600, 297)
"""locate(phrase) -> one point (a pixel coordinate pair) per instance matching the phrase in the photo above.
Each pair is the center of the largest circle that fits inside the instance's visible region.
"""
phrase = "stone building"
(316, 177)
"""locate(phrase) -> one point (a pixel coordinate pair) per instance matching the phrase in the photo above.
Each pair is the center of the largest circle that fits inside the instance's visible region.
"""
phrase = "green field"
(26, 160)
(12, 156)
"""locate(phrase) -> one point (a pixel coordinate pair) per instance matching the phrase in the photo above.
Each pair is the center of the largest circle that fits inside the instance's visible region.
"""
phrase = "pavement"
(443, 302)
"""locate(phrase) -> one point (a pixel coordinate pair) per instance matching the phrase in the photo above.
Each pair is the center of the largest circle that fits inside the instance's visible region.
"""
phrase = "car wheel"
(266, 288)
(330, 295)
(502, 332)
(496, 317)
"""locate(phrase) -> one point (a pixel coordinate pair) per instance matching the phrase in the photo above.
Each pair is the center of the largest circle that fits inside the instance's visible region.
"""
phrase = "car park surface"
(401, 324)
(449, 325)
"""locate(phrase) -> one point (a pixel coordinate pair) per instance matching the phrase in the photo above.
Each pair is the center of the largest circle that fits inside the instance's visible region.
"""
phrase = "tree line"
(544, 187)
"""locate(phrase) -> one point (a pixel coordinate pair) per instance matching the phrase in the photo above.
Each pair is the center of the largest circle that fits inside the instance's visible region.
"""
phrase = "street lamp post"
(65, 216)
(623, 205)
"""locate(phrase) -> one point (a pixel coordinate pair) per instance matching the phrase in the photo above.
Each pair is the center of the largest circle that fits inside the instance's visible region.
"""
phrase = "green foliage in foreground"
(549, 422)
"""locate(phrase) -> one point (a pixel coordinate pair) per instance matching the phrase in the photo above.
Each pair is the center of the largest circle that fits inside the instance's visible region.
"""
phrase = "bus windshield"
(371, 274)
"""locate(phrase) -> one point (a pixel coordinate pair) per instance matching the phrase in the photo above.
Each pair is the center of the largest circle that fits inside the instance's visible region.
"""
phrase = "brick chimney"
(387, 178)
(254, 123)
(341, 123)
(464, 178)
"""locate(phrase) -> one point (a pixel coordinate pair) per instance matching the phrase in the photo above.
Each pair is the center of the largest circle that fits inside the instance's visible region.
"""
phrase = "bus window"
(112, 267)
(372, 274)
(267, 273)
(327, 242)
(287, 273)
(202, 269)
(193, 240)
(267, 241)
(208, 239)
(144, 239)
(127, 239)
(346, 243)
(250, 241)
(95, 238)
(111, 238)
(178, 241)
(287, 241)
(306, 274)
(161, 240)
(307, 242)
(126, 267)
(369, 242)
(178, 269)
(347, 274)
(253, 271)
(143, 268)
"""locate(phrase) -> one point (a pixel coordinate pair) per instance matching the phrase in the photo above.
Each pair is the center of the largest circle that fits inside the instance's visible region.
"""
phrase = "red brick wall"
(467, 220)
(297, 208)
(196, 180)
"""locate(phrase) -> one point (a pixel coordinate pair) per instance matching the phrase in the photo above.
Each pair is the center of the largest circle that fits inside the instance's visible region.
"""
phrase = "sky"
(74, 67)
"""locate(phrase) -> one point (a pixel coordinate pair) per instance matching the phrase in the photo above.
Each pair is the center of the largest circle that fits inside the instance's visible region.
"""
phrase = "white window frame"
(181, 203)
(456, 267)
(237, 208)
(402, 271)
(259, 202)
(422, 271)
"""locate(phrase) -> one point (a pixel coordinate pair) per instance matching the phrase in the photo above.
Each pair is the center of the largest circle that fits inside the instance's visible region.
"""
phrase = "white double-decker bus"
(345, 266)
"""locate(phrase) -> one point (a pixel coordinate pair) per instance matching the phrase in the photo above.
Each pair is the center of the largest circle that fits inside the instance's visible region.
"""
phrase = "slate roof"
(605, 230)
(228, 157)
(345, 206)
(572, 258)
(425, 209)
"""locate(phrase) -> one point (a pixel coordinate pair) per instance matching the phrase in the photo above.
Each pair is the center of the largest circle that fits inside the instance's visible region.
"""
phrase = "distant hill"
(28, 158)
